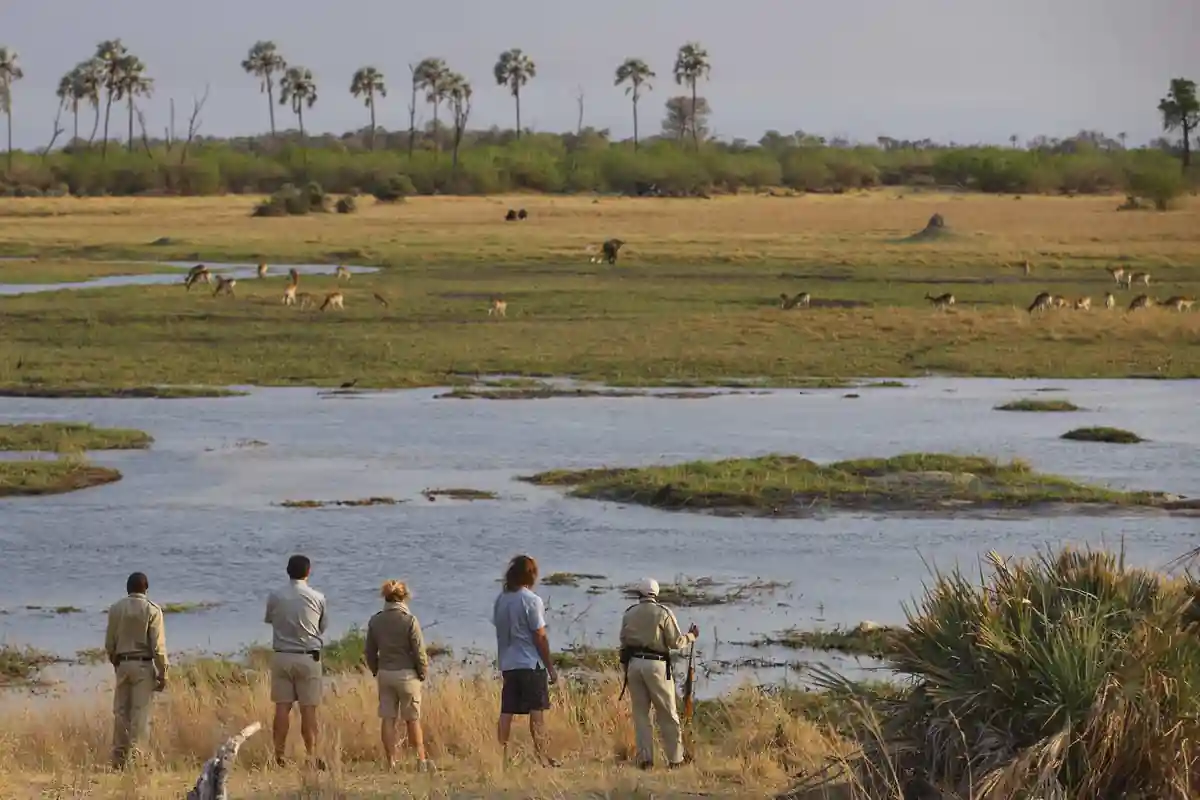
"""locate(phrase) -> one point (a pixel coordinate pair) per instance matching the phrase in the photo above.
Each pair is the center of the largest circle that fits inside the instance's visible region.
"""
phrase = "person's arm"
(110, 637)
(417, 642)
(158, 644)
(268, 617)
(371, 649)
(673, 637)
(536, 617)
(323, 622)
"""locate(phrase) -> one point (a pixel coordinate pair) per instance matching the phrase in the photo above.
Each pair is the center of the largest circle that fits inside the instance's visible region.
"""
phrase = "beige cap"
(647, 587)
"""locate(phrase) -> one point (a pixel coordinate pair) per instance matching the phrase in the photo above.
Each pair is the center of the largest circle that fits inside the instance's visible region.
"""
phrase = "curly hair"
(394, 591)
(522, 572)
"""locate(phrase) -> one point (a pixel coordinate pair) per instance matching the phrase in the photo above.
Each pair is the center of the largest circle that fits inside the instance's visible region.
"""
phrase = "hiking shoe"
(645, 765)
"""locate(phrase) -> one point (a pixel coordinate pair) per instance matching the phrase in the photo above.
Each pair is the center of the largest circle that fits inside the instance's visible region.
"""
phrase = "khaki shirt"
(296, 613)
(135, 628)
(394, 641)
(651, 626)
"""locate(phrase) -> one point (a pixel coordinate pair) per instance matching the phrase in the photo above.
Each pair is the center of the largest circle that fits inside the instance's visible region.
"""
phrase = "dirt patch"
(458, 494)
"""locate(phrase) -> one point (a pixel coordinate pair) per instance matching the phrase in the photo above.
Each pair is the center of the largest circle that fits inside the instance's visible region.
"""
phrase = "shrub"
(347, 205)
(1161, 184)
(1101, 434)
(1069, 676)
(1039, 405)
(394, 189)
(289, 200)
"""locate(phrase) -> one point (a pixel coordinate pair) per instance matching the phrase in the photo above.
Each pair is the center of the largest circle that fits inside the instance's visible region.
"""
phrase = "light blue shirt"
(516, 616)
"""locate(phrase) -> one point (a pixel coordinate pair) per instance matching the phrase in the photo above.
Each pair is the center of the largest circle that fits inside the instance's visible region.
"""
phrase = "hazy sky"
(963, 70)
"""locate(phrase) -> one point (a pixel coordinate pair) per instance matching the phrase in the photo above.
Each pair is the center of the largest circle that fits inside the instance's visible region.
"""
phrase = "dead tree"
(579, 102)
(58, 131)
(211, 785)
(194, 123)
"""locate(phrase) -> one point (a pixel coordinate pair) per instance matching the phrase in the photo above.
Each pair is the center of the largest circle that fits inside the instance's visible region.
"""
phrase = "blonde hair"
(394, 591)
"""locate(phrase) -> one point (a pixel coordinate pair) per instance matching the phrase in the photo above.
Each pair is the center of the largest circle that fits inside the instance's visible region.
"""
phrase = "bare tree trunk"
(579, 122)
(1187, 145)
(130, 146)
(303, 138)
(75, 112)
(271, 103)
(372, 98)
(10, 152)
(95, 125)
(695, 125)
(635, 122)
(437, 140)
(517, 95)
(107, 114)
(412, 115)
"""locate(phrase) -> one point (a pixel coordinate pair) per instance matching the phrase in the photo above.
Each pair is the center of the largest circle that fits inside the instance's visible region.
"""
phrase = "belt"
(121, 659)
(299, 652)
(649, 656)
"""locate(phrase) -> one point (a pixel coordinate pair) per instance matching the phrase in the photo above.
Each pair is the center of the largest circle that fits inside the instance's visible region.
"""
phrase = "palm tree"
(263, 61)
(91, 79)
(132, 84)
(430, 75)
(368, 82)
(299, 89)
(68, 96)
(636, 73)
(514, 69)
(458, 92)
(691, 64)
(10, 73)
(1181, 111)
(111, 56)
(1013, 141)
(1123, 136)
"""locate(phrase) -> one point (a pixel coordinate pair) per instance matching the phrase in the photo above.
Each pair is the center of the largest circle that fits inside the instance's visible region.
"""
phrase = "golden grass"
(748, 745)
(693, 299)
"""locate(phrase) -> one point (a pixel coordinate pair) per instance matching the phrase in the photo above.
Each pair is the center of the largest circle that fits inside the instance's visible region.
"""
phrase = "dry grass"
(747, 745)
(60, 437)
(693, 299)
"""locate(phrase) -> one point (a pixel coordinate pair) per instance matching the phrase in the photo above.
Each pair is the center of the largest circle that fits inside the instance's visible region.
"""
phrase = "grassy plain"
(55, 270)
(693, 299)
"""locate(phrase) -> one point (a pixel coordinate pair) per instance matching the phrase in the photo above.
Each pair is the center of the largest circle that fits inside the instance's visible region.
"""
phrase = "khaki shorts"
(295, 678)
(399, 695)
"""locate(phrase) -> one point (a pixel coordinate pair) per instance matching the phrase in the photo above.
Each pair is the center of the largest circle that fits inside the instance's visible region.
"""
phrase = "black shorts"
(525, 690)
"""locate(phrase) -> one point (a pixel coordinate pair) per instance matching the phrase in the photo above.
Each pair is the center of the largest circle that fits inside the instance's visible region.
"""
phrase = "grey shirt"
(296, 613)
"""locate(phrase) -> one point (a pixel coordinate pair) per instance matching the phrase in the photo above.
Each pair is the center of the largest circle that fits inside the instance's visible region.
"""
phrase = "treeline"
(584, 163)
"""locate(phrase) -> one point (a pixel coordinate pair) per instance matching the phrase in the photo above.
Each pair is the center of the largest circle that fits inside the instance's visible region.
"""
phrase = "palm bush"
(1065, 676)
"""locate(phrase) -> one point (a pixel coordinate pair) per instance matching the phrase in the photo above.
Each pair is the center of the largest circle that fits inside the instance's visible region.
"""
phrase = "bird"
(349, 384)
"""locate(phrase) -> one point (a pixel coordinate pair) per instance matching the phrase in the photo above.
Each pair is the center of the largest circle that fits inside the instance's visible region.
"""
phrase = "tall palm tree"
(458, 92)
(1181, 111)
(10, 73)
(1123, 137)
(636, 73)
(91, 80)
(299, 89)
(111, 57)
(133, 84)
(69, 97)
(691, 64)
(368, 82)
(1013, 140)
(263, 62)
(430, 75)
(514, 69)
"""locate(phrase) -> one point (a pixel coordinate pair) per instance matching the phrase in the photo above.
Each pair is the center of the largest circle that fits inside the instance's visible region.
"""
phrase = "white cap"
(647, 587)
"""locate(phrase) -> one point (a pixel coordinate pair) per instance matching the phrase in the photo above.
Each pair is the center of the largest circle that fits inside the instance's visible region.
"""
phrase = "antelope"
(1141, 301)
(942, 301)
(262, 269)
(1138, 277)
(342, 272)
(1180, 303)
(225, 286)
(1059, 301)
(381, 300)
(608, 251)
(801, 299)
(1041, 303)
(1083, 304)
(306, 299)
(498, 307)
(289, 294)
(1109, 300)
(333, 300)
(197, 274)
(1118, 274)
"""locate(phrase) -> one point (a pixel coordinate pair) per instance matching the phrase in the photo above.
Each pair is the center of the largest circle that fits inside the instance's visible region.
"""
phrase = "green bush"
(289, 200)
(1159, 183)
(394, 189)
(1070, 676)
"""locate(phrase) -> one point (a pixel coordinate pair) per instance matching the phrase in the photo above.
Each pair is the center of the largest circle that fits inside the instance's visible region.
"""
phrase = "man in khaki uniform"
(649, 632)
(136, 645)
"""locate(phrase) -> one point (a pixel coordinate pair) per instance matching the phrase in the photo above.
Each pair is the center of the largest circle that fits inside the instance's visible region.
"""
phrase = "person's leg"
(387, 735)
(280, 729)
(388, 707)
(120, 739)
(503, 730)
(141, 684)
(639, 695)
(308, 693)
(416, 738)
(536, 692)
(508, 699)
(309, 728)
(410, 712)
(283, 695)
(662, 696)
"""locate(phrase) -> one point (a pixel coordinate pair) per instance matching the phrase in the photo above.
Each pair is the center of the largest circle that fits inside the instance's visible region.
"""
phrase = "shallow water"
(240, 271)
(198, 512)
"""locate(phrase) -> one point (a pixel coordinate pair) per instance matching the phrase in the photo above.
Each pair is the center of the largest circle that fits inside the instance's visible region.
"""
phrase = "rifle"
(689, 701)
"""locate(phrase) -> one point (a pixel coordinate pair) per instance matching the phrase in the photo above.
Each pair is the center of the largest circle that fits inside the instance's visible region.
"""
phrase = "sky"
(949, 70)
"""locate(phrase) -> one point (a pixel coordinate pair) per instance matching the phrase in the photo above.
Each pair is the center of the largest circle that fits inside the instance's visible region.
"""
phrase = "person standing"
(136, 645)
(649, 632)
(296, 614)
(523, 653)
(395, 653)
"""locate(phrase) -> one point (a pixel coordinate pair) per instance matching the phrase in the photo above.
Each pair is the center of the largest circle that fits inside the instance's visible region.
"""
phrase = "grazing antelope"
(225, 286)
(262, 269)
(197, 274)
(1179, 303)
(608, 251)
(1042, 302)
(522, 214)
(1083, 304)
(381, 300)
(942, 301)
(342, 272)
(1141, 301)
(1059, 301)
(1139, 277)
(333, 300)
(306, 299)
(801, 299)
(498, 308)
(1109, 300)
(1118, 274)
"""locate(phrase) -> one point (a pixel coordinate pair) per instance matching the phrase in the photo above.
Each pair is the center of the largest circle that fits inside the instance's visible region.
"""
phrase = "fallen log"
(211, 785)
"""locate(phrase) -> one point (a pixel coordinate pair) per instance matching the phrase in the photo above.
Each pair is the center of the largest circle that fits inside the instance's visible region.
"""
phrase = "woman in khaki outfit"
(396, 655)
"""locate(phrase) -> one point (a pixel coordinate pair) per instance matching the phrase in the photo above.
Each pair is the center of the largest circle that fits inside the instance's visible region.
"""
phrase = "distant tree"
(367, 83)
(131, 84)
(412, 109)
(430, 75)
(90, 76)
(682, 116)
(636, 73)
(264, 62)
(10, 73)
(69, 96)
(514, 69)
(691, 64)
(111, 55)
(458, 92)
(1122, 136)
(1013, 140)
(1181, 112)
(298, 89)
